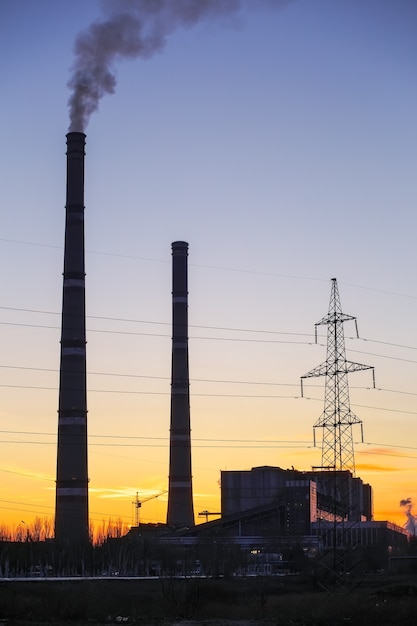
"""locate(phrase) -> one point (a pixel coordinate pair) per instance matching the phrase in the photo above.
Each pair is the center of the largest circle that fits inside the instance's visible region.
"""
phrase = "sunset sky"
(280, 141)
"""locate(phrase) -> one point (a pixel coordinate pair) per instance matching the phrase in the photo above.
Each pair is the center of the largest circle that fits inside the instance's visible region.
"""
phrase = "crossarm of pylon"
(327, 420)
(347, 366)
(357, 367)
(320, 370)
(335, 316)
(351, 366)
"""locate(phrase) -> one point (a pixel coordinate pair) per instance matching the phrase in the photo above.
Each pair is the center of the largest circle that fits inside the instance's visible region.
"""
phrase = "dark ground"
(375, 600)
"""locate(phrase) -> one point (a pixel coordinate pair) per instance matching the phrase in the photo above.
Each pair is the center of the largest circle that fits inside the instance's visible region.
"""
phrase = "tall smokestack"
(180, 490)
(71, 511)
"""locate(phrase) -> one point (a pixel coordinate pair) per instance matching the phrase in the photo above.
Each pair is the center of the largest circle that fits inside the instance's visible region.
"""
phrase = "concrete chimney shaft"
(180, 492)
(71, 511)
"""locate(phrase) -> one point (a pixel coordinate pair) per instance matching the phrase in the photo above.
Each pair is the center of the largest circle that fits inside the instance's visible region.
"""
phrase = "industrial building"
(274, 515)
(276, 521)
(301, 497)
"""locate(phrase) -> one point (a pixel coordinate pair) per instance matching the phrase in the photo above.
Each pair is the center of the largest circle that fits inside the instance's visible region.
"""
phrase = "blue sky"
(281, 144)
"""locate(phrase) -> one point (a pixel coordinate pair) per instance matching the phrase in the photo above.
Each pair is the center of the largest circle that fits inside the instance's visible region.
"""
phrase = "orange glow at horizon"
(111, 499)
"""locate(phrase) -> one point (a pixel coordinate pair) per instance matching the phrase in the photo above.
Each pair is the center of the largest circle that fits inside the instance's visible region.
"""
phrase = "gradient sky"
(282, 145)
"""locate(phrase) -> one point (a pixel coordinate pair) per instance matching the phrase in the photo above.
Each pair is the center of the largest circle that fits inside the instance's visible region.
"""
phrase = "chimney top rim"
(73, 133)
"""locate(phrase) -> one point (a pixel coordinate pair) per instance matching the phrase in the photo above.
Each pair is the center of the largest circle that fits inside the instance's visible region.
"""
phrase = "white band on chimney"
(181, 483)
(70, 351)
(71, 491)
(182, 299)
(66, 421)
(75, 215)
(74, 282)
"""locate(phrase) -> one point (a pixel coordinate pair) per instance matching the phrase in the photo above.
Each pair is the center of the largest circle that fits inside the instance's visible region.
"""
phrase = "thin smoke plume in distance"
(411, 523)
(407, 502)
(133, 29)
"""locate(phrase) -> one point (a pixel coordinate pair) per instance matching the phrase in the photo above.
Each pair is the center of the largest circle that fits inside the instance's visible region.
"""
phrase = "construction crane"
(138, 503)
(206, 514)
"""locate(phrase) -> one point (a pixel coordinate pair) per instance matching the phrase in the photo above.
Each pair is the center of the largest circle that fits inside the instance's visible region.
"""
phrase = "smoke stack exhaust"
(180, 491)
(71, 509)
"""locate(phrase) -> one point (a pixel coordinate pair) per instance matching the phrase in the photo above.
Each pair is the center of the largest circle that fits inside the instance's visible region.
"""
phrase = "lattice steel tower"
(337, 419)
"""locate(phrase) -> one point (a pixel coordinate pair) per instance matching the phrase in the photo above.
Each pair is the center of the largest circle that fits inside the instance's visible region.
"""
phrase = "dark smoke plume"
(132, 29)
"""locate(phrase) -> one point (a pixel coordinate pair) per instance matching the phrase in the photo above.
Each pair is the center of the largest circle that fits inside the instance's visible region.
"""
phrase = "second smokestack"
(180, 491)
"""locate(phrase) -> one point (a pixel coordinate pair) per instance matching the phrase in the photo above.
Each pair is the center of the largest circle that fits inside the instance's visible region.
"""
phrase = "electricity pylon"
(337, 419)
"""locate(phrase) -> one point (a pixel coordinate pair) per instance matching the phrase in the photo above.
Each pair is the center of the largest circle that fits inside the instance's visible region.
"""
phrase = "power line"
(206, 395)
(286, 441)
(299, 442)
(383, 356)
(389, 445)
(138, 321)
(155, 393)
(157, 445)
(28, 475)
(118, 375)
(200, 326)
(213, 267)
(401, 456)
(45, 506)
(206, 380)
(232, 339)
(265, 445)
(376, 408)
(147, 334)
